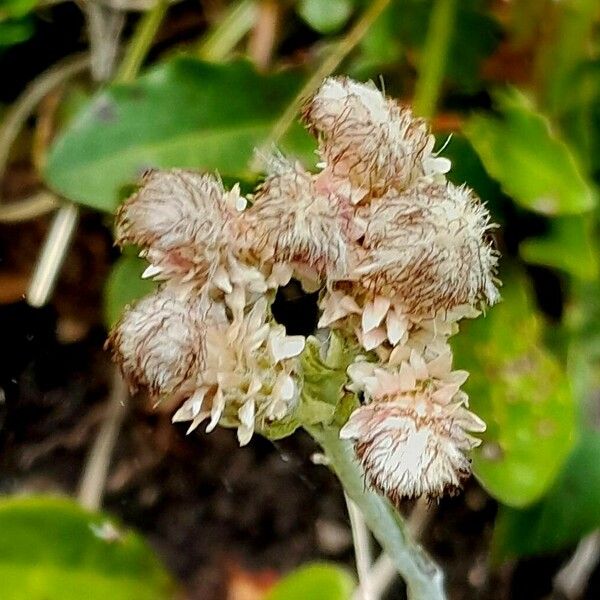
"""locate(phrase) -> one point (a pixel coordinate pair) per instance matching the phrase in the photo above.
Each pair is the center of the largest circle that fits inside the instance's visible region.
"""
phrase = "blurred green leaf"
(381, 44)
(476, 35)
(123, 286)
(521, 391)
(467, 166)
(15, 31)
(319, 581)
(580, 113)
(52, 549)
(15, 24)
(568, 245)
(325, 16)
(183, 113)
(567, 512)
(530, 162)
(16, 8)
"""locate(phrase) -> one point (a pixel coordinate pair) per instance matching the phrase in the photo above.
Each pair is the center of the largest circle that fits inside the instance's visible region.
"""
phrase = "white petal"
(374, 313)
(284, 388)
(408, 380)
(283, 346)
(151, 271)
(201, 417)
(244, 434)
(191, 407)
(419, 366)
(246, 413)
(457, 377)
(216, 411)
(399, 353)
(440, 367)
(445, 393)
(221, 280)
(373, 338)
(396, 327)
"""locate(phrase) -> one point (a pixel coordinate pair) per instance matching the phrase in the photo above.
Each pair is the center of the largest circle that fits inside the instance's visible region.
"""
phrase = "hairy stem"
(424, 579)
(433, 60)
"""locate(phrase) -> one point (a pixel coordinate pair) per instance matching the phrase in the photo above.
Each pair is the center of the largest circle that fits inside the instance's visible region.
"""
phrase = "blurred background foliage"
(513, 91)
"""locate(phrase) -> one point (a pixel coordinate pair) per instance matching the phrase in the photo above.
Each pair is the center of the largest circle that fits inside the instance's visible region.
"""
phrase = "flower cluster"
(398, 253)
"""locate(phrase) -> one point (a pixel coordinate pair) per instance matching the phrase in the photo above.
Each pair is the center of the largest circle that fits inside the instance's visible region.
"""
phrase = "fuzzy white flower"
(399, 255)
(159, 343)
(413, 435)
(250, 374)
(369, 140)
(428, 250)
(181, 219)
(290, 221)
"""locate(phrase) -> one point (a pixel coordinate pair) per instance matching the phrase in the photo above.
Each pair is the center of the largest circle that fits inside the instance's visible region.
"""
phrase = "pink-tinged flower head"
(406, 454)
(290, 221)
(250, 377)
(413, 435)
(428, 250)
(370, 140)
(159, 343)
(181, 219)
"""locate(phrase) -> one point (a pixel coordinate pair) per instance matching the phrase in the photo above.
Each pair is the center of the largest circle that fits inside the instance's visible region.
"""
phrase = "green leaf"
(529, 161)
(567, 512)
(568, 245)
(52, 549)
(123, 286)
(15, 31)
(523, 394)
(320, 581)
(183, 113)
(325, 16)
(16, 8)
(476, 35)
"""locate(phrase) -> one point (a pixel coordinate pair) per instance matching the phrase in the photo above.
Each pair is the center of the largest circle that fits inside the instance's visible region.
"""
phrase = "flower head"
(181, 219)
(249, 376)
(369, 140)
(398, 254)
(428, 249)
(407, 454)
(413, 435)
(291, 221)
(159, 343)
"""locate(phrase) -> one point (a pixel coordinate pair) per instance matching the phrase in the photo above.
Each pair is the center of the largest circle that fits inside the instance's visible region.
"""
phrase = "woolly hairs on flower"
(399, 255)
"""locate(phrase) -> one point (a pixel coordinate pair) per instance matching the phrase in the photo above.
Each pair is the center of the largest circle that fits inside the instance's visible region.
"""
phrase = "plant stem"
(361, 538)
(234, 25)
(424, 579)
(140, 43)
(432, 64)
(95, 472)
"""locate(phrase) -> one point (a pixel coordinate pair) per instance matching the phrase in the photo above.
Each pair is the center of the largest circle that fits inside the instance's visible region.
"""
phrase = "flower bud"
(413, 435)
(428, 250)
(290, 221)
(407, 453)
(181, 219)
(159, 343)
(370, 140)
